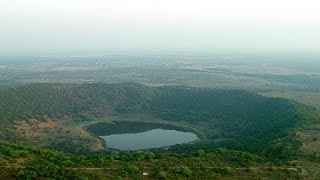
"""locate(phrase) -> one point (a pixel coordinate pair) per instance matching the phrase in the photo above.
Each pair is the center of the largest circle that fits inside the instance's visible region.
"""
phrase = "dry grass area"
(35, 128)
(51, 133)
(311, 140)
(311, 145)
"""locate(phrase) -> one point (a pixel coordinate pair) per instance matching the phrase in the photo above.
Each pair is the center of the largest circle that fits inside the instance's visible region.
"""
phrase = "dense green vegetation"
(25, 162)
(232, 119)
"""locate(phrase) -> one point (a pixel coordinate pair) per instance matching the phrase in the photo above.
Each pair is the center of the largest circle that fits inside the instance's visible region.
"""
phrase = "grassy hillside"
(232, 119)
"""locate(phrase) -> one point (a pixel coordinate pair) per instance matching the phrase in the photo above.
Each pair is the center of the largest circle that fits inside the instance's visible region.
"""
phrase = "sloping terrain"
(228, 118)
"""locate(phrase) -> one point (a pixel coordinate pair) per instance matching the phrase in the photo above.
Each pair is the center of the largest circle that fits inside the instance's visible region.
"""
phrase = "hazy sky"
(63, 25)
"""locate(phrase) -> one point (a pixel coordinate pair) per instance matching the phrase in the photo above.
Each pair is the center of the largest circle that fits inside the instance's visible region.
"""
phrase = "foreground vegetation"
(25, 162)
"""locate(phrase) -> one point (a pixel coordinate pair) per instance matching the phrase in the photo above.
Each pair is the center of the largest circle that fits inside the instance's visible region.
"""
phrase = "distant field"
(254, 72)
(308, 98)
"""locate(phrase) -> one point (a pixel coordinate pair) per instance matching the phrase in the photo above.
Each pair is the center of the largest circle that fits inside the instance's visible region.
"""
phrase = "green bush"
(185, 171)
(132, 170)
(149, 155)
(4, 163)
(223, 171)
(161, 175)
(201, 153)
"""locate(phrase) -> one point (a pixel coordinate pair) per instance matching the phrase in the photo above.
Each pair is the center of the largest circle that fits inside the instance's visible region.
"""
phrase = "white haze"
(149, 25)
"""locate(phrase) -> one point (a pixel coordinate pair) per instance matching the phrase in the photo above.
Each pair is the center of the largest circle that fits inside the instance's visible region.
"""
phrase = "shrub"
(223, 171)
(149, 155)
(161, 175)
(4, 163)
(201, 153)
(183, 171)
(132, 170)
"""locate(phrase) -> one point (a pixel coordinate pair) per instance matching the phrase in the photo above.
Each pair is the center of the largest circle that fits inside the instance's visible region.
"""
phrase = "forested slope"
(229, 118)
